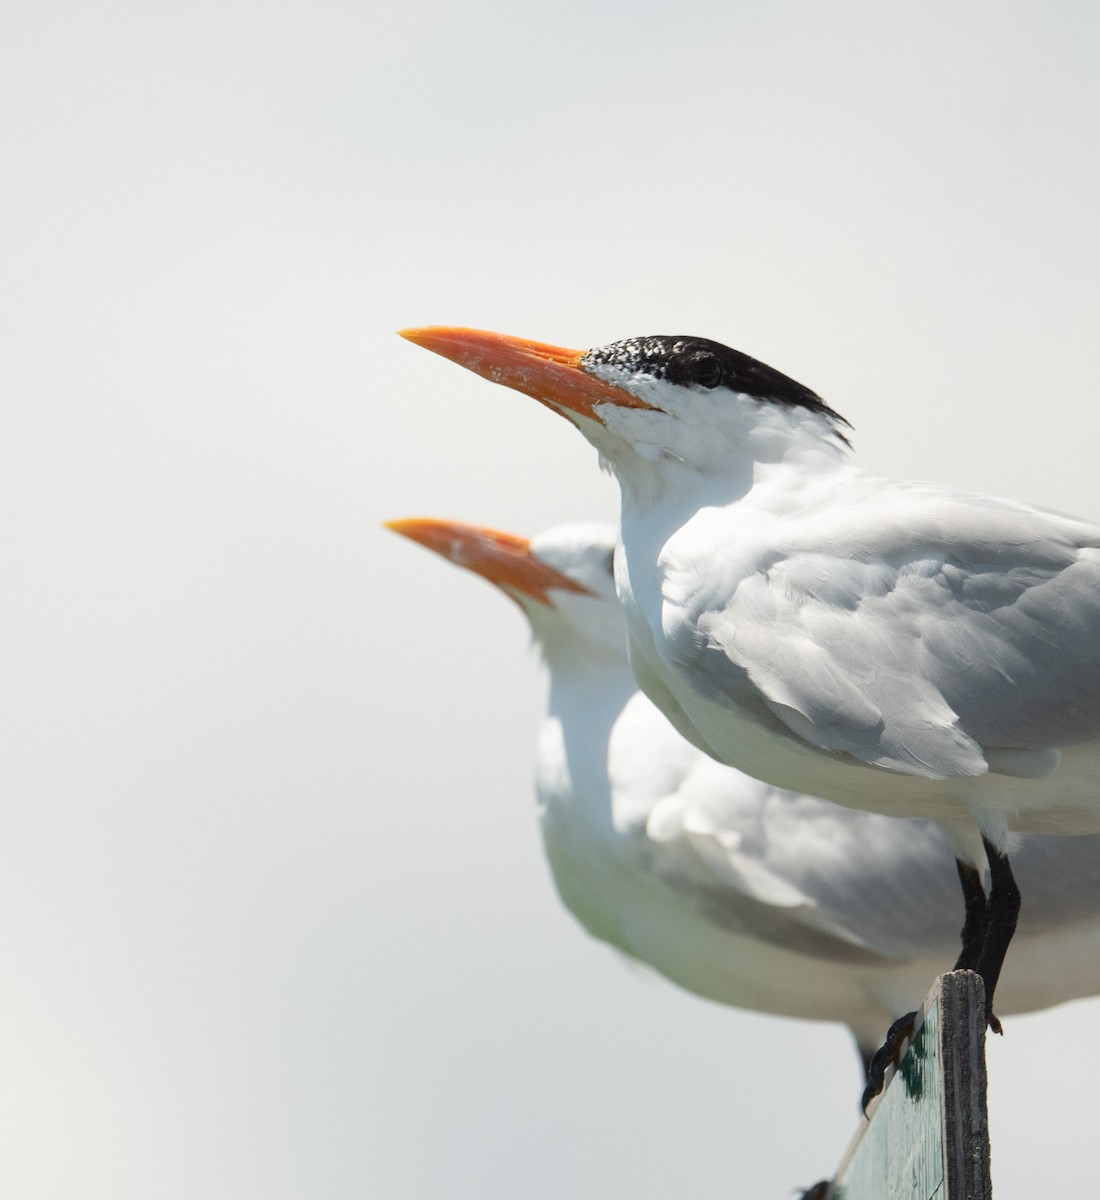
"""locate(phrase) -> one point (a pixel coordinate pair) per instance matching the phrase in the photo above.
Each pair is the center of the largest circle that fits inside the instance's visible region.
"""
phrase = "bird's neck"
(587, 696)
(658, 503)
(589, 679)
(716, 463)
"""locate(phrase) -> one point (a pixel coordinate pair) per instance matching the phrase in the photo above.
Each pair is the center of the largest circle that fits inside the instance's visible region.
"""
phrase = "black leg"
(975, 921)
(1002, 909)
(973, 938)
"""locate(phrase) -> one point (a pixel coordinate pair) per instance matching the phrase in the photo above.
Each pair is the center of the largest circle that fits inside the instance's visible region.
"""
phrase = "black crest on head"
(706, 365)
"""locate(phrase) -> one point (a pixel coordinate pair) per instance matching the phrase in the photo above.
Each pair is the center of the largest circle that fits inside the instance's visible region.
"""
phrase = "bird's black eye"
(698, 367)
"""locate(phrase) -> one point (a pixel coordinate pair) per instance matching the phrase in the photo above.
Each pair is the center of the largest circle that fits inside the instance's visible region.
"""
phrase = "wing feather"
(927, 637)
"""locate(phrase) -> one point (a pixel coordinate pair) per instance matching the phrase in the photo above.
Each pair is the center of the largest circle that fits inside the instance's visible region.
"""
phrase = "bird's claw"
(819, 1191)
(887, 1055)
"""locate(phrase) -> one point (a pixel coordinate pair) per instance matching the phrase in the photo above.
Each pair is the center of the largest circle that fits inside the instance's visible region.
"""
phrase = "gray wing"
(1060, 880)
(918, 630)
(788, 869)
(871, 882)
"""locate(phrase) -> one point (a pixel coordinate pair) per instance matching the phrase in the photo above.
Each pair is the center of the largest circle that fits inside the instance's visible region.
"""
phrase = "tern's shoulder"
(864, 537)
(909, 517)
(853, 535)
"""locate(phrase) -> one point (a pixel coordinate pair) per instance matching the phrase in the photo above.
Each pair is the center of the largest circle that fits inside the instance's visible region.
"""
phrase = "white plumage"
(896, 647)
(735, 889)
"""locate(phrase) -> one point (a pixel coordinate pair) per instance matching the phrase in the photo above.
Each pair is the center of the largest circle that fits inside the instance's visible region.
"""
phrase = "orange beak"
(551, 374)
(502, 558)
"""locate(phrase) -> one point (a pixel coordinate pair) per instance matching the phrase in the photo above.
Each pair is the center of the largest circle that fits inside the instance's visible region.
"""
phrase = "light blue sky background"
(273, 916)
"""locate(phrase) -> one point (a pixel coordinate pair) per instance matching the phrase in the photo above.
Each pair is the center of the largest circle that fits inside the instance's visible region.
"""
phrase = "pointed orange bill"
(502, 558)
(551, 374)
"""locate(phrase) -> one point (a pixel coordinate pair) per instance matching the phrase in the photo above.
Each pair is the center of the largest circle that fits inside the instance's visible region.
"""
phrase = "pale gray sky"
(273, 916)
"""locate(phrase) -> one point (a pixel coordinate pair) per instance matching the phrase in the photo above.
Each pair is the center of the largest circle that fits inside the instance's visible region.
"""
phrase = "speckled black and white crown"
(700, 363)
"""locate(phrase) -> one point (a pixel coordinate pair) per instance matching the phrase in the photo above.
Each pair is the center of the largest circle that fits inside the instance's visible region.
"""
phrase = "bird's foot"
(819, 1191)
(887, 1055)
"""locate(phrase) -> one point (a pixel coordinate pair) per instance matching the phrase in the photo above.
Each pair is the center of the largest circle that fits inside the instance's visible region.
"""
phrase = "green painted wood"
(928, 1136)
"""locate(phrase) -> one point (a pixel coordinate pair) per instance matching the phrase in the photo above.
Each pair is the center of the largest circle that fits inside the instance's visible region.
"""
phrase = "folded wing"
(941, 635)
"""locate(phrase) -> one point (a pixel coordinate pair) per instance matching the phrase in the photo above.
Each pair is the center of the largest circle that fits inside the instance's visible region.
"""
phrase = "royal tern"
(735, 889)
(893, 646)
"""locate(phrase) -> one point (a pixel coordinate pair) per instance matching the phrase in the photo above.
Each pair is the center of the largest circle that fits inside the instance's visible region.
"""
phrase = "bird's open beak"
(551, 374)
(502, 558)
